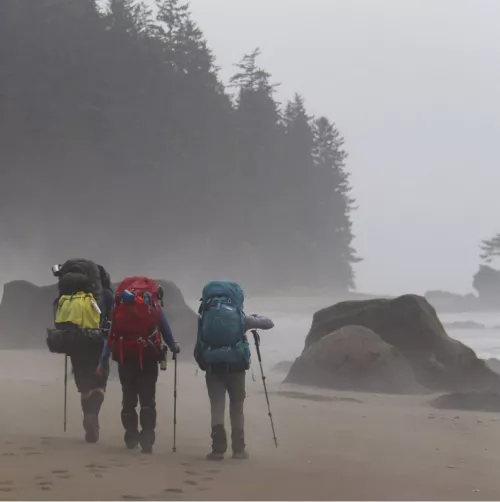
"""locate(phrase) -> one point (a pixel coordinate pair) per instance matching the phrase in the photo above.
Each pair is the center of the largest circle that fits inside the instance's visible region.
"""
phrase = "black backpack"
(80, 275)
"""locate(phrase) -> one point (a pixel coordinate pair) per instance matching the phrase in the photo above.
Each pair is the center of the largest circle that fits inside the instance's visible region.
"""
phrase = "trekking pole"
(256, 338)
(65, 388)
(174, 357)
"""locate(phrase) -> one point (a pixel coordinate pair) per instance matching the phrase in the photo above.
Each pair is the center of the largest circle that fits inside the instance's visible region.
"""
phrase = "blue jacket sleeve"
(108, 303)
(104, 359)
(166, 333)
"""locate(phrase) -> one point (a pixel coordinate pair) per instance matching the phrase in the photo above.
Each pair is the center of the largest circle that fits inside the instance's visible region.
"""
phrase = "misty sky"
(412, 85)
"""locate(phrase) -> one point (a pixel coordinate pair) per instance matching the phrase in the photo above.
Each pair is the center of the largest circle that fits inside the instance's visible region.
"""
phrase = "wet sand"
(332, 445)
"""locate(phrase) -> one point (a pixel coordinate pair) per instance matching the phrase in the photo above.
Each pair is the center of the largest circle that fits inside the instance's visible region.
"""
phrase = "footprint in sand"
(174, 490)
(120, 464)
(6, 488)
(208, 479)
(96, 467)
(191, 483)
(62, 473)
(132, 497)
(187, 464)
(45, 485)
(192, 473)
(8, 454)
(213, 471)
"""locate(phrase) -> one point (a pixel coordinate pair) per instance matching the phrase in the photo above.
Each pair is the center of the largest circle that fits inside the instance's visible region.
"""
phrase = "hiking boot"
(213, 455)
(130, 423)
(219, 443)
(241, 455)
(238, 445)
(131, 439)
(147, 439)
(91, 426)
(148, 423)
(91, 406)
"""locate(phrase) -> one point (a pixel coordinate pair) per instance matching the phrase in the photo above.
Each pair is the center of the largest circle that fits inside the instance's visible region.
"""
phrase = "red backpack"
(135, 328)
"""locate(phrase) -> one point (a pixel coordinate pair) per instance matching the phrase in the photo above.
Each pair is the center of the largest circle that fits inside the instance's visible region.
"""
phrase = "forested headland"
(118, 138)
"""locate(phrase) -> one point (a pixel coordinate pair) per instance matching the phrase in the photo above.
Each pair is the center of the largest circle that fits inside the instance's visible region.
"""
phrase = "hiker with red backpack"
(138, 336)
(223, 352)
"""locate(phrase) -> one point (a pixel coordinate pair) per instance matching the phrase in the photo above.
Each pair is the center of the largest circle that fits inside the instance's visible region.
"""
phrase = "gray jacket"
(255, 321)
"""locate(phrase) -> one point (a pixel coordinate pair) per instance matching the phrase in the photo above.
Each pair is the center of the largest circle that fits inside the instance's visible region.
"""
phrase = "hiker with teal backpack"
(223, 352)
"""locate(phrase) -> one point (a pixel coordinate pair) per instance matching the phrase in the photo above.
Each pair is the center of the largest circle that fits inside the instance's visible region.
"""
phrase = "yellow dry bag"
(80, 309)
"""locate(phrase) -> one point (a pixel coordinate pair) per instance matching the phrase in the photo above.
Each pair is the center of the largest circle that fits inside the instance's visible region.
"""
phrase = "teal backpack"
(221, 327)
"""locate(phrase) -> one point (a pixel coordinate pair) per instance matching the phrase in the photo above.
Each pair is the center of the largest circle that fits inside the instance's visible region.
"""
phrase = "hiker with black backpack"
(81, 313)
(223, 352)
(137, 339)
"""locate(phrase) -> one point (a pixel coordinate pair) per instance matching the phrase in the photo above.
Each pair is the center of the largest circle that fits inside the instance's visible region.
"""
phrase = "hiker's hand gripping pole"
(256, 339)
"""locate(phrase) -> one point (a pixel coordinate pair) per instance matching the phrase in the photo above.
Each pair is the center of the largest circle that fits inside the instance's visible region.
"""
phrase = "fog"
(355, 151)
(413, 87)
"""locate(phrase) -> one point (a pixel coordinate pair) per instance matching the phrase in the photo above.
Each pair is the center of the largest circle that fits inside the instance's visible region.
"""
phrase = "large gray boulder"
(410, 324)
(354, 358)
(471, 401)
(26, 311)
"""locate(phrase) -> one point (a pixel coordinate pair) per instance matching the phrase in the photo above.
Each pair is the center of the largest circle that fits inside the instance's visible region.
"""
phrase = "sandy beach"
(332, 445)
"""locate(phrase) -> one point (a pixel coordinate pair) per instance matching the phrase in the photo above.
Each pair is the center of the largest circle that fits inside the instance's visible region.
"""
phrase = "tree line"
(118, 136)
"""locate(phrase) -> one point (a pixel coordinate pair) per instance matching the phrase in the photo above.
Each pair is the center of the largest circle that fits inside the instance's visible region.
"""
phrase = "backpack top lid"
(80, 275)
(224, 288)
(139, 283)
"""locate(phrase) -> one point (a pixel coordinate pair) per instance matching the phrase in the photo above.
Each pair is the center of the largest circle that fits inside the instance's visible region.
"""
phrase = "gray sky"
(412, 85)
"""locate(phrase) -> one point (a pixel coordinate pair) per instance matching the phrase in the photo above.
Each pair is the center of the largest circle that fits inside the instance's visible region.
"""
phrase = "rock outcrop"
(282, 366)
(472, 401)
(487, 284)
(464, 325)
(26, 311)
(410, 324)
(493, 364)
(354, 358)
(443, 301)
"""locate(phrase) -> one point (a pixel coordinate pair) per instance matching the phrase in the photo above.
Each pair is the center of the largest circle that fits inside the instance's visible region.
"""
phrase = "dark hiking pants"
(138, 386)
(90, 385)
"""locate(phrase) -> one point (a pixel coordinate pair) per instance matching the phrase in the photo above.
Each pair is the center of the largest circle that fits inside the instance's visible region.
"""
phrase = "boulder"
(410, 324)
(354, 358)
(26, 311)
(443, 301)
(464, 325)
(473, 401)
(493, 364)
(487, 284)
(282, 366)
